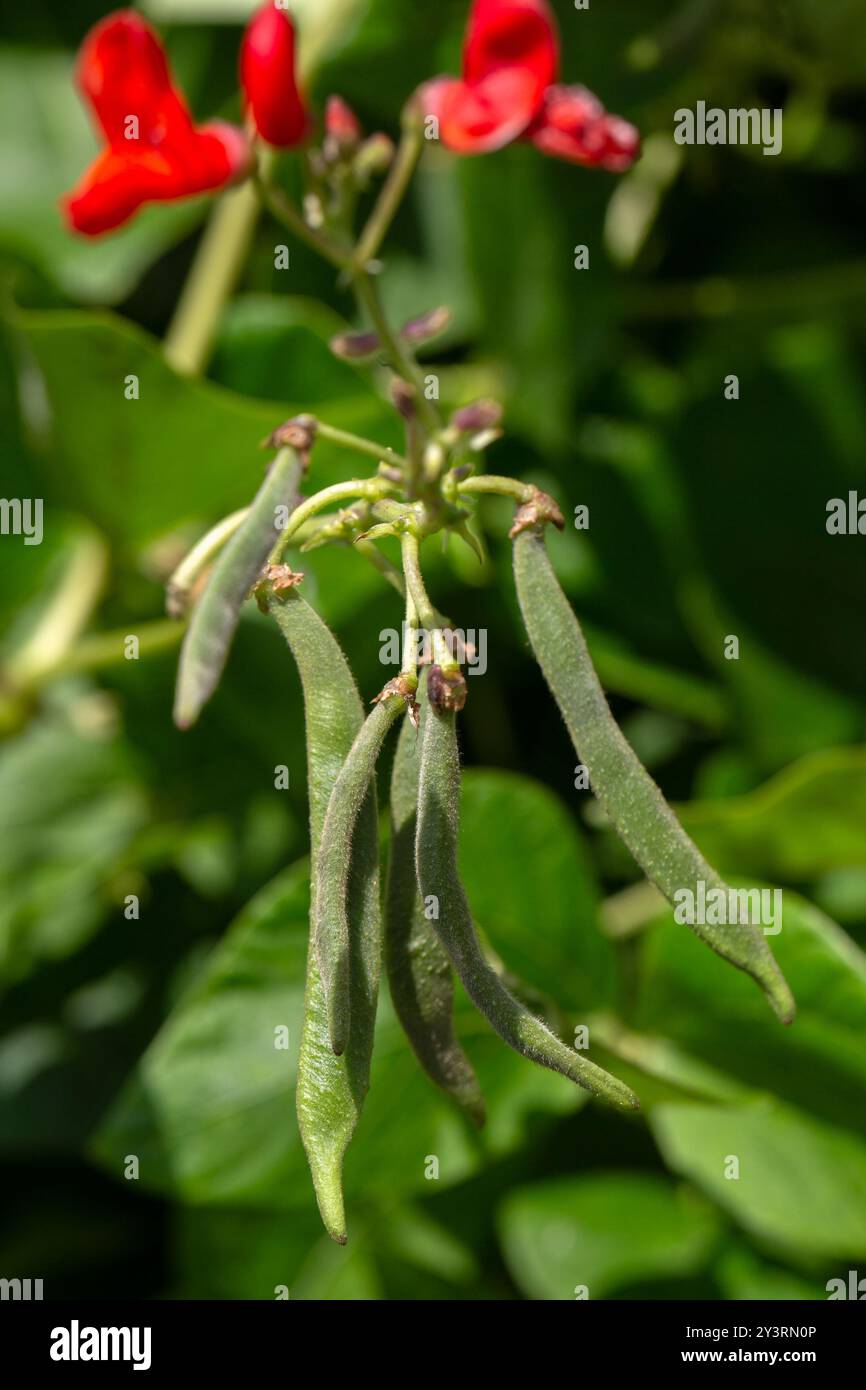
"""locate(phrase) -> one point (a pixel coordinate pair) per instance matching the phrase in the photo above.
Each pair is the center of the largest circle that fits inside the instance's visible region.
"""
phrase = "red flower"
(154, 152)
(508, 91)
(268, 78)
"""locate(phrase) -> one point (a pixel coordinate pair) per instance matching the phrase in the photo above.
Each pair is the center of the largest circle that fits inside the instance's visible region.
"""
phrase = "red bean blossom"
(154, 152)
(509, 91)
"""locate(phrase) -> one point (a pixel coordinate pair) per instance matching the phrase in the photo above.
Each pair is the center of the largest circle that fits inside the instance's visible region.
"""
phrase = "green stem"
(105, 649)
(402, 360)
(214, 273)
(425, 613)
(284, 210)
(359, 445)
(337, 492)
(502, 487)
(391, 196)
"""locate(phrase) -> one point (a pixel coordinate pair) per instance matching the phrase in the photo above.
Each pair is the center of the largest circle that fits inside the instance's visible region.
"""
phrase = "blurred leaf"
(805, 821)
(226, 1254)
(604, 1231)
(520, 849)
(69, 808)
(692, 996)
(742, 1275)
(277, 349)
(184, 449)
(801, 1184)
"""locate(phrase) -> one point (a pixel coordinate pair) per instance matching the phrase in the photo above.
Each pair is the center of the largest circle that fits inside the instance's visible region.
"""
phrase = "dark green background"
(707, 518)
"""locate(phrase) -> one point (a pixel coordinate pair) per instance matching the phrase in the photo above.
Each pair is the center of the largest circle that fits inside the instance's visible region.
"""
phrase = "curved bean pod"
(331, 926)
(636, 807)
(438, 877)
(331, 1090)
(419, 972)
(213, 621)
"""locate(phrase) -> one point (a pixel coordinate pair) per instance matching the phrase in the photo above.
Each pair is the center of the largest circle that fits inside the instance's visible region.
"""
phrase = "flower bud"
(351, 346)
(341, 124)
(373, 158)
(267, 69)
(480, 415)
(429, 325)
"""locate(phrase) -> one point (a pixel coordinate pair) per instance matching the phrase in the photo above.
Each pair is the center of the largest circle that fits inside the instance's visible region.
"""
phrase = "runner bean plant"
(422, 924)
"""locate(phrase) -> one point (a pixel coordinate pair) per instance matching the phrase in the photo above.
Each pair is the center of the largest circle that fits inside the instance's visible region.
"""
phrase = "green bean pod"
(330, 1089)
(633, 802)
(439, 880)
(214, 618)
(419, 972)
(331, 926)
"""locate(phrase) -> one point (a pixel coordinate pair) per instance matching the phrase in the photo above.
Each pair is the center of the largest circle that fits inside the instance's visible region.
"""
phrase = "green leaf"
(604, 1232)
(742, 1275)
(185, 448)
(531, 886)
(69, 808)
(800, 1184)
(803, 822)
(229, 1254)
(819, 1062)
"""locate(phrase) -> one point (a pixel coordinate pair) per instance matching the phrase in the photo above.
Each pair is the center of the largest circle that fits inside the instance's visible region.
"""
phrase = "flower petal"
(474, 119)
(267, 68)
(573, 125)
(506, 34)
(122, 72)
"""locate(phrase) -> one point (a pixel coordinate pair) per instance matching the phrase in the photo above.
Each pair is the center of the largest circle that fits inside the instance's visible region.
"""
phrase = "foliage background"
(707, 518)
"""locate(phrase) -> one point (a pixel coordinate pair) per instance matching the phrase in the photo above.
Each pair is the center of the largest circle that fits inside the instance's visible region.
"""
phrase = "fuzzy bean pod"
(439, 879)
(633, 802)
(331, 925)
(330, 1089)
(419, 972)
(214, 618)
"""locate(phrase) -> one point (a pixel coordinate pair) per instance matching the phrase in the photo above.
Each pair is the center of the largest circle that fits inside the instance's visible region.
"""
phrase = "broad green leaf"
(604, 1232)
(819, 1062)
(275, 348)
(240, 1254)
(741, 1274)
(783, 1176)
(531, 886)
(184, 449)
(211, 1109)
(69, 808)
